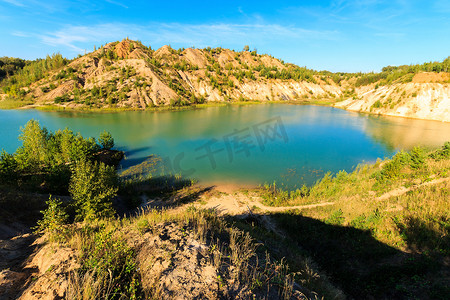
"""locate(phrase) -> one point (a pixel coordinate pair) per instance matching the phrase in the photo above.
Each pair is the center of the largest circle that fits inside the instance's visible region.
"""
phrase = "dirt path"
(236, 203)
(243, 203)
(240, 203)
(403, 190)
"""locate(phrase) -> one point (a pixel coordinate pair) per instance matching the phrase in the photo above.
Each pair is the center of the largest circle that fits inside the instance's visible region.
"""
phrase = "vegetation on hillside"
(402, 74)
(25, 74)
(385, 230)
(130, 75)
(10, 65)
(105, 78)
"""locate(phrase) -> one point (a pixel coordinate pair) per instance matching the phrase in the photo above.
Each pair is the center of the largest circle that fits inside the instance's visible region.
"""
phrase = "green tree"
(46, 160)
(43, 150)
(246, 48)
(106, 140)
(33, 154)
(53, 220)
(33, 71)
(93, 186)
(68, 147)
(8, 167)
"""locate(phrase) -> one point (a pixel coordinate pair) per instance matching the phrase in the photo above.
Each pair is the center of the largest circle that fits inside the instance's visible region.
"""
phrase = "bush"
(42, 151)
(33, 154)
(8, 167)
(64, 163)
(45, 89)
(392, 169)
(106, 140)
(53, 220)
(109, 259)
(377, 104)
(417, 158)
(442, 153)
(93, 186)
(63, 98)
(336, 218)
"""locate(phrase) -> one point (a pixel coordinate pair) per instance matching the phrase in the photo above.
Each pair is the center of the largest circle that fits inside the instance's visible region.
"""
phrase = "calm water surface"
(243, 145)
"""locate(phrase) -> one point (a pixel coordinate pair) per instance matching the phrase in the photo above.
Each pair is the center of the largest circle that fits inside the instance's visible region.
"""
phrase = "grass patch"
(51, 107)
(108, 267)
(14, 104)
(405, 169)
(370, 246)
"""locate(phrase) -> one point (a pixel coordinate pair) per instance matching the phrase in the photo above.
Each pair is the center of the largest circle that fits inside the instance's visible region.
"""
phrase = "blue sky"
(338, 35)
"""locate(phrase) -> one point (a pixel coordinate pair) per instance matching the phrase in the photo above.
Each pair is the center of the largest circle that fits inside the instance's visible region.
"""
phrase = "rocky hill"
(129, 75)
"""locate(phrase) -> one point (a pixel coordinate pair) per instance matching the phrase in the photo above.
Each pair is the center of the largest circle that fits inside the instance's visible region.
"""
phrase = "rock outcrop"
(430, 101)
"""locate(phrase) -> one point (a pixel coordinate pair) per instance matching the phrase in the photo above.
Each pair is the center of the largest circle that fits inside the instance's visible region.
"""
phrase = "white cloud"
(14, 2)
(117, 3)
(73, 36)
(199, 35)
(21, 34)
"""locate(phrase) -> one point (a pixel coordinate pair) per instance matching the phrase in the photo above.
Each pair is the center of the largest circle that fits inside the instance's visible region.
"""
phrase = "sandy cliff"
(430, 101)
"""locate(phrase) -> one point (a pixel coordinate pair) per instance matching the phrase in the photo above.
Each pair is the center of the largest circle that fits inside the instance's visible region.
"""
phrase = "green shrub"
(106, 140)
(63, 98)
(442, 153)
(44, 160)
(8, 167)
(417, 158)
(377, 104)
(113, 264)
(359, 222)
(42, 150)
(336, 218)
(392, 168)
(53, 220)
(33, 154)
(326, 186)
(93, 186)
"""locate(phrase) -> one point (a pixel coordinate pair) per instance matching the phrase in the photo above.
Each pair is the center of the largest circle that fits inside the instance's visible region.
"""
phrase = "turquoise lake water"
(243, 145)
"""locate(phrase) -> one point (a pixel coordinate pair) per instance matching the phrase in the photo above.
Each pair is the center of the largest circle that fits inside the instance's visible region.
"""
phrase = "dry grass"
(232, 252)
(90, 285)
(403, 235)
(241, 269)
(385, 218)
